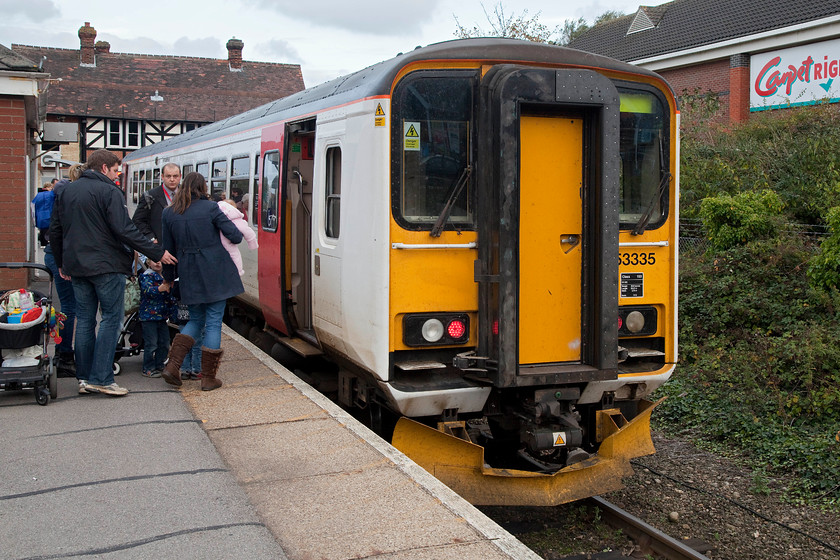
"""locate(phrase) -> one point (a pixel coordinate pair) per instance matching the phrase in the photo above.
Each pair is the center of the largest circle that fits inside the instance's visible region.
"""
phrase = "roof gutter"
(809, 32)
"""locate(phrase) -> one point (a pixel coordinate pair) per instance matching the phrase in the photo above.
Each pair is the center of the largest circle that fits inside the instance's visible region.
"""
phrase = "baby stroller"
(27, 363)
(130, 342)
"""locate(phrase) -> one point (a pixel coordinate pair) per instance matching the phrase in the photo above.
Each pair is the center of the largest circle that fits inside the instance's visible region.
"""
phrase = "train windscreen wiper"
(664, 179)
(456, 191)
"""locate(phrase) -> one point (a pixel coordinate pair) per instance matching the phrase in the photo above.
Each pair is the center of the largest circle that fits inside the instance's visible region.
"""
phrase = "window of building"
(270, 191)
(132, 134)
(115, 134)
(333, 192)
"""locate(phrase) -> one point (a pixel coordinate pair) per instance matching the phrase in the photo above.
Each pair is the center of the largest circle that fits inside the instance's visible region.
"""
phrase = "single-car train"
(480, 236)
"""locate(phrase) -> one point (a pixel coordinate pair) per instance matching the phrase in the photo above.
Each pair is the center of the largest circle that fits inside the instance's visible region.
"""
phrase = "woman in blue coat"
(206, 273)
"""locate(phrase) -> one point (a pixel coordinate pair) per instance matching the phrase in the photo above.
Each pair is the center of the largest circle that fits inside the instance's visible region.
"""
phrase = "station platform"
(264, 467)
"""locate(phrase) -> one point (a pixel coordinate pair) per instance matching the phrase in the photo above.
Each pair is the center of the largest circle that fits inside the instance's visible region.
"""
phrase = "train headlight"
(432, 330)
(439, 329)
(635, 321)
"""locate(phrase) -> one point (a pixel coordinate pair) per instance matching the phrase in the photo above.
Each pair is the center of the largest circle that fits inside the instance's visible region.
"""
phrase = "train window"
(155, 178)
(270, 191)
(432, 130)
(240, 184)
(147, 184)
(333, 192)
(186, 169)
(135, 184)
(204, 169)
(218, 181)
(644, 150)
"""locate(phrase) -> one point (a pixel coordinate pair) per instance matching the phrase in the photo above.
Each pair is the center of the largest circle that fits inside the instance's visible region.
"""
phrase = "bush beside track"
(759, 373)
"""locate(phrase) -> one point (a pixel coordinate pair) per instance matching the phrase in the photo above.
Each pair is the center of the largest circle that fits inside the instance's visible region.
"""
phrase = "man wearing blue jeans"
(89, 234)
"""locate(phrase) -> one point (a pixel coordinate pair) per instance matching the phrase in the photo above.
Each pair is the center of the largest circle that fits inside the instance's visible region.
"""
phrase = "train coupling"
(460, 464)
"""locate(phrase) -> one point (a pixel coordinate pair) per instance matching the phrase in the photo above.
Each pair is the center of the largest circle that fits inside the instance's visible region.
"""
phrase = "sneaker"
(84, 387)
(195, 375)
(186, 375)
(153, 373)
(113, 389)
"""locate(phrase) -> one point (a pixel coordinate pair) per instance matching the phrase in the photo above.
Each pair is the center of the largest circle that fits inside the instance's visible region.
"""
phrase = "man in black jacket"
(147, 216)
(90, 234)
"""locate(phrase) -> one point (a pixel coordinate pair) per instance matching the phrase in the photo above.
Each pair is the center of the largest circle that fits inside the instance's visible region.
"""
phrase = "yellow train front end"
(533, 270)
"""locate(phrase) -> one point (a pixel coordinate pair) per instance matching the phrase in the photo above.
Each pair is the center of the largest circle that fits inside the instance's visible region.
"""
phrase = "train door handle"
(569, 241)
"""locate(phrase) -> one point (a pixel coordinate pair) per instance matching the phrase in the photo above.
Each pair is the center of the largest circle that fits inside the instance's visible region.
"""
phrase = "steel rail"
(649, 538)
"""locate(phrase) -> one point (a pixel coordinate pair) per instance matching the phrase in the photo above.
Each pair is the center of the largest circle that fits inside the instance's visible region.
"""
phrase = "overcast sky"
(327, 38)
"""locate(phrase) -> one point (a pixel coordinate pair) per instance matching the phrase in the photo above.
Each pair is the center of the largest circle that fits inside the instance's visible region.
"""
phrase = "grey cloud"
(366, 16)
(207, 46)
(280, 50)
(35, 10)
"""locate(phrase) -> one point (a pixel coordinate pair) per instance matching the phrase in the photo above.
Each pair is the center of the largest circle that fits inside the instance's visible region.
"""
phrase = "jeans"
(155, 344)
(192, 361)
(207, 316)
(95, 351)
(67, 299)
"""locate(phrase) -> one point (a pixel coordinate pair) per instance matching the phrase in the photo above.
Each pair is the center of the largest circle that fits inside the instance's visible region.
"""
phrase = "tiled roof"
(684, 24)
(10, 60)
(193, 89)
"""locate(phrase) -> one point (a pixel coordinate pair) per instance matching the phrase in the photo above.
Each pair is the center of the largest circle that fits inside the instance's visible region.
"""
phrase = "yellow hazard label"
(559, 439)
(411, 136)
(379, 116)
(379, 111)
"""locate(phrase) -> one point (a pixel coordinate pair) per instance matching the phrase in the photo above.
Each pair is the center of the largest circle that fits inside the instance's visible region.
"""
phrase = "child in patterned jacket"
(156, 307)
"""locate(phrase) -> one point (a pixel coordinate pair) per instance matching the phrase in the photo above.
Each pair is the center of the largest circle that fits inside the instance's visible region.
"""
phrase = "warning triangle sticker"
(379, 111)
(560, 440)
(411, 132)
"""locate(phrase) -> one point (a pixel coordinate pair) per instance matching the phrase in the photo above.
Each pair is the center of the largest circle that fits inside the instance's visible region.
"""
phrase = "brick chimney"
(102, 47)
(87, 36)
(234, 47)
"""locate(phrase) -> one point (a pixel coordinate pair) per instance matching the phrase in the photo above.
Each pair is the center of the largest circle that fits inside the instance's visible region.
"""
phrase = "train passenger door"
(547, 183)
(285, 237)
(550, 230)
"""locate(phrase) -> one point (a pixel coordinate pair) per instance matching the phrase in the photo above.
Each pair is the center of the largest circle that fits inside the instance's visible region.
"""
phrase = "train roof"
(378, 79)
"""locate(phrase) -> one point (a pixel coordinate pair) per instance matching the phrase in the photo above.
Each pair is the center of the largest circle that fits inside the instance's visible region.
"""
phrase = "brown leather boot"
(181, 345)
(210, 360)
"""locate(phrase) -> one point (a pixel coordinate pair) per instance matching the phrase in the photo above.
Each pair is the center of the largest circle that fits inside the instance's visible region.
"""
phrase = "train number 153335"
(636, 258)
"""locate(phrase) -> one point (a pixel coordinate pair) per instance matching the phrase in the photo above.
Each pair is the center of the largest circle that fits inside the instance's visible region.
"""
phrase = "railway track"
(649, 539)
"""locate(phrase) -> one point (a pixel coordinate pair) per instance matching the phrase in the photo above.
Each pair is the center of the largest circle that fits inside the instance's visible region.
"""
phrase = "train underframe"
(523, 446)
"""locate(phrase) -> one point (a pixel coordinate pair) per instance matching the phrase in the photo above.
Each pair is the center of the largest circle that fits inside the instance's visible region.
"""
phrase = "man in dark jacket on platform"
(147, 217)
(90, 234)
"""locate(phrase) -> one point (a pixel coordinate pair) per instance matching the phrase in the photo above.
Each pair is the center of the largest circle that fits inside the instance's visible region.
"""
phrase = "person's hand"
(65, 276)
(168, 258)
(164, 287)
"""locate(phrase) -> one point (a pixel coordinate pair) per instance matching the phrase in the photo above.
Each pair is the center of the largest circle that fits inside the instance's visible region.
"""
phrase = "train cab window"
(431, 131)
(644, 150)
(218, 181)
(186, 169)
(240, 184)
(270, 191)
(204, 169)
(333, 192)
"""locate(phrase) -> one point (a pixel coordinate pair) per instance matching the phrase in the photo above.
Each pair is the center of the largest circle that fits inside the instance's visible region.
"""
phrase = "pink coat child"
(238, 218)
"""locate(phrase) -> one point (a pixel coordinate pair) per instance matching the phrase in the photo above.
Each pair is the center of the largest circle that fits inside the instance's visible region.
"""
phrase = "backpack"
(43, 209)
